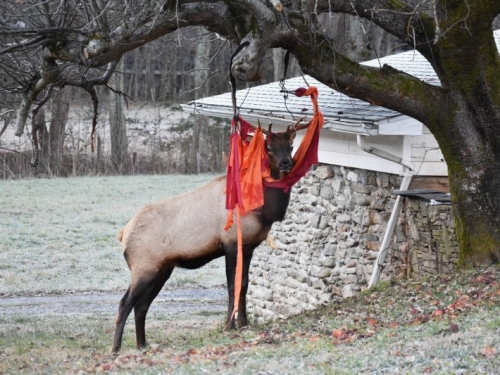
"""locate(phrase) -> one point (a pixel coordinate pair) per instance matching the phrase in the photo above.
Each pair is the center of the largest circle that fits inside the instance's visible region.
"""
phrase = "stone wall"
(326, 247)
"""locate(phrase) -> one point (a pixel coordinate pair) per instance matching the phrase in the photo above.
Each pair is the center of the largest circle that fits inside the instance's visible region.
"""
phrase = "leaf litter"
(439, 304)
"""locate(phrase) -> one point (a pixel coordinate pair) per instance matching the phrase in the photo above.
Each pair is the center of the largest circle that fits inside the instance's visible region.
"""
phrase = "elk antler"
(300, 127)
(267, 132)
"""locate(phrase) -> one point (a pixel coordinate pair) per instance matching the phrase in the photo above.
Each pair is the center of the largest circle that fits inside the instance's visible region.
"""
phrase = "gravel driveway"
(169, 301)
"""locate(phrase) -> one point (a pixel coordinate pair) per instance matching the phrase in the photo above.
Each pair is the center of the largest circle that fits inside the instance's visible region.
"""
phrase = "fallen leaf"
(338, 333)
(369, 333)
(438, 312)
(106, 367)
(488, 351)
(476, 294)
(453, 328)
(372, 322)
(414, 311)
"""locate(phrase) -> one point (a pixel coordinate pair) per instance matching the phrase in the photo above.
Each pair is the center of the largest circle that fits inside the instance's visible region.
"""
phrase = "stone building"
(328, 244)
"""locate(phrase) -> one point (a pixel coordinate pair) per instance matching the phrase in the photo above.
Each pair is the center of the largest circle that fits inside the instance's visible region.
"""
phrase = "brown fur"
(188, 231)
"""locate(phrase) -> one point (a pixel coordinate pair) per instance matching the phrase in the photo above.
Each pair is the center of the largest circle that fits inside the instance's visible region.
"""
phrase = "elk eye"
(291, 148)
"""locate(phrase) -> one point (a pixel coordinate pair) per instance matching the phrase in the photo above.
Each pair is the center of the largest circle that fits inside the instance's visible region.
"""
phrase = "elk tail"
(119, 236)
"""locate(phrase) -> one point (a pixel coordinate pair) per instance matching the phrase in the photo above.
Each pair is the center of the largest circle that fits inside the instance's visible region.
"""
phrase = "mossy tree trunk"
(472, 153)
(463, 114)
(468, 134)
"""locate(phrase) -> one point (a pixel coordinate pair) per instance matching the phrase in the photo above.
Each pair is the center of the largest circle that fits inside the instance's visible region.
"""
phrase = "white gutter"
(384, 246)
(381, 153)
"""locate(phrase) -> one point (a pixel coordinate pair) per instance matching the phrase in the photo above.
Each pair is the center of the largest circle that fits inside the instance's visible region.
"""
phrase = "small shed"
(377, 205)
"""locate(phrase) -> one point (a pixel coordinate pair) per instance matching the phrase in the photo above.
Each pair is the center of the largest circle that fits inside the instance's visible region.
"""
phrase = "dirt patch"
(169, 301)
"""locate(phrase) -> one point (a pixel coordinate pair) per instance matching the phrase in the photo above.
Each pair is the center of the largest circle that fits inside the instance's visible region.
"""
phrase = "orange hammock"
(248, 172)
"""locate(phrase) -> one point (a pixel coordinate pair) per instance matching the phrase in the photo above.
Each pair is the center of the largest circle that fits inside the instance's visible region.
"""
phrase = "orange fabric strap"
(252, 189)
(253, 176)
(238, 276)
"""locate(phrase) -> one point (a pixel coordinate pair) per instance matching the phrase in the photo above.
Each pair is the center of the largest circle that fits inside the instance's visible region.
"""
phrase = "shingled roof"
(342, 113)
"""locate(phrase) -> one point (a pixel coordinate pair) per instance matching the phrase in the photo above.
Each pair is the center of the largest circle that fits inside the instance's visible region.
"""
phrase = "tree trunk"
(42, 133)
(117, 124)
(57, 130)
(137, 73)
(463, 115)
(278, 63)
(467, 132)
(473, 159)
(199, 149)
(43, 139)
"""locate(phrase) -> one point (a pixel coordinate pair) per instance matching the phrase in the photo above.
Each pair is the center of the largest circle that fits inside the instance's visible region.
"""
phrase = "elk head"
(279, 147)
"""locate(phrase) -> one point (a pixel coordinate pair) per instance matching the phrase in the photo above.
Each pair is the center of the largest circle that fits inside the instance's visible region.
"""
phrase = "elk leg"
(130, 298)
(142, 305)
(120, 322)
(242, 303)
(231, 254)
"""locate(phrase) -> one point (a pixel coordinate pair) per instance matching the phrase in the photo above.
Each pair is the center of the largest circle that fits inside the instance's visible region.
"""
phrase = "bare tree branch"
(85, 36)
(49, 74)
(6, 121)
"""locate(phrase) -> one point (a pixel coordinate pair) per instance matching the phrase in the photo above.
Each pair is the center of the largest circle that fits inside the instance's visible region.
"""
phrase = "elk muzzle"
(285, 166)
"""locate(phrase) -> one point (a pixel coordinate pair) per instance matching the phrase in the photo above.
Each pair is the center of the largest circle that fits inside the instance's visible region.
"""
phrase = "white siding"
(342, 149)
(426, 156)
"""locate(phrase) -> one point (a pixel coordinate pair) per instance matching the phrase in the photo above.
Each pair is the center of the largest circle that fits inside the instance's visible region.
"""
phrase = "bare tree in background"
(117, 123)
(57, 130)
(200, 142)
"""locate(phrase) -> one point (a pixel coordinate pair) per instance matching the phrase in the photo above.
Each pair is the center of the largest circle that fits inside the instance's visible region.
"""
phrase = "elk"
(188, 231)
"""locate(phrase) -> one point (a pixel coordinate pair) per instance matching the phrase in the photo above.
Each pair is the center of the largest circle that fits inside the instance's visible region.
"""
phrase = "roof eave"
(280, 118)
(337, 124)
